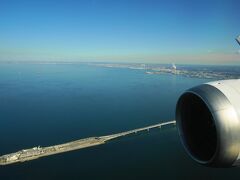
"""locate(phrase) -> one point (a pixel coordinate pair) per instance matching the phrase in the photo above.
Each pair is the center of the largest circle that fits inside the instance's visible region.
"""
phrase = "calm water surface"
(46, 104)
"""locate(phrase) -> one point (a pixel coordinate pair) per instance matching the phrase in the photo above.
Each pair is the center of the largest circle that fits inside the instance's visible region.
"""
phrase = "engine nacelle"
(208, 121)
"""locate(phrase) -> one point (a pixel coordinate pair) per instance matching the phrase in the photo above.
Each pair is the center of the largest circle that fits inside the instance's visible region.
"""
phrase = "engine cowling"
(208, 122)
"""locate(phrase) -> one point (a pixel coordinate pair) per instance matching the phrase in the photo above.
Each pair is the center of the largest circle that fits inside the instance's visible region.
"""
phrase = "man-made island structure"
(37, 152)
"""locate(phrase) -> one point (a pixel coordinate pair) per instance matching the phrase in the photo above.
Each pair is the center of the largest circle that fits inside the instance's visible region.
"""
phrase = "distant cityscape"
(192, 71)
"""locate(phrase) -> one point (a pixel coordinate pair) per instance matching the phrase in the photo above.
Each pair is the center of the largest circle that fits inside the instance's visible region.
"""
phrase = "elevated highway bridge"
(38, 152)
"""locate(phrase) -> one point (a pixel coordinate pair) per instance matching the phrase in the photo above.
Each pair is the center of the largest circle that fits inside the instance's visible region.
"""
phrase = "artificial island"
(38, 152)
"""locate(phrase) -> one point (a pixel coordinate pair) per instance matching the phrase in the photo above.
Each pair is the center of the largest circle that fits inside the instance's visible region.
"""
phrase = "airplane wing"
(238, 39)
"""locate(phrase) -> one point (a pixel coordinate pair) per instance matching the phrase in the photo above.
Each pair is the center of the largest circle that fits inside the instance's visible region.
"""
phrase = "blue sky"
(160, 31)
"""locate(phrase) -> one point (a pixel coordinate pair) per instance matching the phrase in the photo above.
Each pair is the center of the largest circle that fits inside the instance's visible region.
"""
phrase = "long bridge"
(38, 152)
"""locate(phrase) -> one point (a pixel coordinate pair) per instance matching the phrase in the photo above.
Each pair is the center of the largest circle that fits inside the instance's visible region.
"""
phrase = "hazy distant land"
(192, 71)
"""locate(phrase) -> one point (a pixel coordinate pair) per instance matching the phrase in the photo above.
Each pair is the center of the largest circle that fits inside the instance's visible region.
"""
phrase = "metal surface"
(222, 101)
(238, 39)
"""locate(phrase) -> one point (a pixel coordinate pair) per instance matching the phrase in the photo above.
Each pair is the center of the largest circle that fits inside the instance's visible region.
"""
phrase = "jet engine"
(208, 122)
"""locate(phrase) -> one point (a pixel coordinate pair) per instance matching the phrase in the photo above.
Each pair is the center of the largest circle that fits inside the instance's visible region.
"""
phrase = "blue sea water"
(46, 104)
